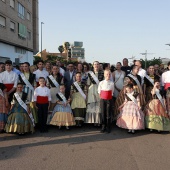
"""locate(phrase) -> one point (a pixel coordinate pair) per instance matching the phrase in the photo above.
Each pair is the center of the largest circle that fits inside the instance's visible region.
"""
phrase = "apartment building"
(19, 30)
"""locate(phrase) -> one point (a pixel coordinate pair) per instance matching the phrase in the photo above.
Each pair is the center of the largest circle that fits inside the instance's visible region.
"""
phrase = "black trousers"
(106, 112)
(42, 116)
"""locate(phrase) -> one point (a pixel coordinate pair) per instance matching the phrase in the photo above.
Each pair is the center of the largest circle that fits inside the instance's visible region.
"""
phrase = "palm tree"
(61, 49)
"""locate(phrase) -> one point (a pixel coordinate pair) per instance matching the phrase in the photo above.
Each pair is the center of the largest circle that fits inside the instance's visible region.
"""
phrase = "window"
(28, 16)
(12, 26)
(20, 50)
(2, 21)
(12, 3)
(22, 31)
(29, 35)
(21, 11)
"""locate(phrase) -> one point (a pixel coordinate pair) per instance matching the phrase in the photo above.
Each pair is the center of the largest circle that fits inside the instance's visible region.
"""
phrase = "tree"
(151, 62)
(61, 49)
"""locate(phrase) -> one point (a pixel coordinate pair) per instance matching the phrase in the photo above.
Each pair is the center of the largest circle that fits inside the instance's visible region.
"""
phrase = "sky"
(109, 29)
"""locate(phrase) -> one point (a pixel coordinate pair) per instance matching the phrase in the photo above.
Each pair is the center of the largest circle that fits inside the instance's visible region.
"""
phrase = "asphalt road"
(85, 149)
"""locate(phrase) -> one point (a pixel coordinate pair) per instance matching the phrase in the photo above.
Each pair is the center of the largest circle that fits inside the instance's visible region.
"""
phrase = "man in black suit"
(69, 79)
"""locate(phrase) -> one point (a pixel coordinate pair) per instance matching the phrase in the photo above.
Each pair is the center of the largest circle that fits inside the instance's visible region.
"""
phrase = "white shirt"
(165, 77)
(106, 85)
(62, 71)
(42, 91)
(71, 74)
(142, 73)
(9, 78)
(40, 73)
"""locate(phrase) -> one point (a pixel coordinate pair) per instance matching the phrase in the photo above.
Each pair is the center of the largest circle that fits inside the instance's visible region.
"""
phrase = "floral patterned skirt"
(156, 117)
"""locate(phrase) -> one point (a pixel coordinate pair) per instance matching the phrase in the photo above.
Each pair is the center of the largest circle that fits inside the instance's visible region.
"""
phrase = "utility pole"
(41, 38)
(146, 53)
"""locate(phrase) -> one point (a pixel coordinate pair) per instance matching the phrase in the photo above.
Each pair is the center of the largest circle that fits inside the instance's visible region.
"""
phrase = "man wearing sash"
(19, 120)
(40, 72)
(93, 113)
(149, 83)
(78, 96)
(106, 90)
(42, 99)
(156, 116)
(166, 87)
(9, 79)
(131, 117)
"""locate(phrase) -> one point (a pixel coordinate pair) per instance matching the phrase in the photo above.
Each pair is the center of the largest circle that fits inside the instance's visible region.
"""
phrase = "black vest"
(31, 79)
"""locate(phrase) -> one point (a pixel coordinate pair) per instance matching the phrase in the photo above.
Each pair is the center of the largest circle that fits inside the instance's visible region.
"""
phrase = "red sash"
(42, 99)
(166, 86)
(107, 95)
(9, 86)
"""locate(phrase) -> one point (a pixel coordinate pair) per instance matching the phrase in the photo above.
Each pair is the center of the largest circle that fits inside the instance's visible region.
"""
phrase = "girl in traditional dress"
(149, 83)
(3, 106)
(93, 113)
(131, 117)
(78, 96)
(136, 80)
(156, 116)
(53, 82)
(29, 84)
(18, 118)
(62, 114)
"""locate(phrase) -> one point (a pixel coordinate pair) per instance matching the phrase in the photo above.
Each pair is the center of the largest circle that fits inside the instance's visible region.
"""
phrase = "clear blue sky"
(109, 29)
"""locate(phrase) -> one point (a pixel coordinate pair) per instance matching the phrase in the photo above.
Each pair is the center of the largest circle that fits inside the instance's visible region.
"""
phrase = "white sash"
(150, 79)
(94, 77)
(132, 98)
(80, 90)
(62, 96)
(26, 82)
(24, 106)
(136, 80)
(159, 97)
(54, 81)
(1, 93)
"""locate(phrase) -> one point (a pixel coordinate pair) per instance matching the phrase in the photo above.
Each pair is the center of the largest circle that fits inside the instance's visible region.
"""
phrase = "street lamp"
(41, 38)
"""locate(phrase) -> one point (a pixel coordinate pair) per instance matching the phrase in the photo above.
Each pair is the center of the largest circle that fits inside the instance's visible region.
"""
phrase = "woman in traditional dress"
(118, 77)
(62, 114)
(54, 87)
(78, 96)
(18, 118)
(93, 113)
(136, 80)
(3, 106)
(29, 84)
(131, 117)
(149, 83)
(156, 116)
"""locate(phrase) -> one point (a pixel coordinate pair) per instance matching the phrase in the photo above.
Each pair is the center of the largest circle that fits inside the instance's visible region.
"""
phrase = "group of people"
(49, 94)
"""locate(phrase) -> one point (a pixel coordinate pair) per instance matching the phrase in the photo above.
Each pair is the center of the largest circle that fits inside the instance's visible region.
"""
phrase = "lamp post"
(41, 38)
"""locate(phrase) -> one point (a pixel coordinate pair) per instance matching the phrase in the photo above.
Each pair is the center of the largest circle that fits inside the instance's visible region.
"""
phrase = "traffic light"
(69, 53)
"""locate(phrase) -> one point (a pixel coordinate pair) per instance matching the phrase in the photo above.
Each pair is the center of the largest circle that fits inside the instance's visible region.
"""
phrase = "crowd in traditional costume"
(50, 94)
